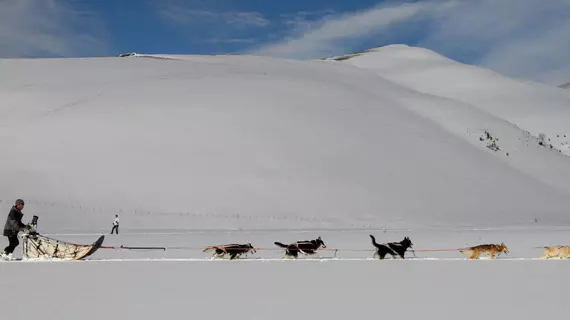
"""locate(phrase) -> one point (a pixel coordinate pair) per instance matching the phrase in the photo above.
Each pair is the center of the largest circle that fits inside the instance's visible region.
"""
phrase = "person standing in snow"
(13, 225)
(115, 224)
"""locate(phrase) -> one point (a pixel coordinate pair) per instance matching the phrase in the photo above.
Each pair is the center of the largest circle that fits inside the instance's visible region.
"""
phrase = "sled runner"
(36, 246)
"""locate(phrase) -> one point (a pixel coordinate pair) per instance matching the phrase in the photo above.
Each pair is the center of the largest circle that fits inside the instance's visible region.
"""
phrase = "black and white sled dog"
(307, 247)
(233, 250)
(391, 248)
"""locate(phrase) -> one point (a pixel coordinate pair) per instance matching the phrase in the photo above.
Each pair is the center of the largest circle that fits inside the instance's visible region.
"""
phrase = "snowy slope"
(191, 142)
(565, 86)
(533, 107)
(193, 151)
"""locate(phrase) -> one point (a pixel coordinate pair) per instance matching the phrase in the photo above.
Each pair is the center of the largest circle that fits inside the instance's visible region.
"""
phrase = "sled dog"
(233, 250)
(490, 249)
(560, 252)
(307, 247)
(391, 248)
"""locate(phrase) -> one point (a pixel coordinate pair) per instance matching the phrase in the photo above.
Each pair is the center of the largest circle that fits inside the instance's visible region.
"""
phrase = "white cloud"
(323, 37)
(302, 21)
(237, 40)
(522, 38)
(47, 27)
(217, 23)
(188, 15)
(544, 57)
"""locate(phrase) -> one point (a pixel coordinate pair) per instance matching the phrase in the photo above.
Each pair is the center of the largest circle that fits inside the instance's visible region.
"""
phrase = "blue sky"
(210, 26)
(521, 38)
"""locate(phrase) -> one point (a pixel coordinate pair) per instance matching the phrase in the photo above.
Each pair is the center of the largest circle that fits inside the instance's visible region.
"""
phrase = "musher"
(14, 225)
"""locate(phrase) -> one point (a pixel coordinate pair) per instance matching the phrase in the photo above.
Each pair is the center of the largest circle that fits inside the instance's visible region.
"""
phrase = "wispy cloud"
(31, 28)
(329, 35)
(303, 21)
(184, 15)
(220, 12)
(522, 38)
(240, 41)
(216, 23)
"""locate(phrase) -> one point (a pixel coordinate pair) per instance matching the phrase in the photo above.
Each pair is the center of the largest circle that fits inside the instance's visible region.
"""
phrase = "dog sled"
(38, 247)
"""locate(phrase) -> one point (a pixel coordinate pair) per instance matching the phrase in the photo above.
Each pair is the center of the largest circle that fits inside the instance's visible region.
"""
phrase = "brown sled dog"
(560, 252)
(489, 249)
(234, 250)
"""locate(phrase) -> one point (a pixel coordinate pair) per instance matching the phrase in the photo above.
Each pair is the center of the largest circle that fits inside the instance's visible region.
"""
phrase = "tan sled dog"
(489, 249)
(560, 252)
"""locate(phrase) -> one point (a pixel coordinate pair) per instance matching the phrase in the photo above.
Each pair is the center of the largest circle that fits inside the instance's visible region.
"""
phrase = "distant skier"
(115, 224)
(12, 227)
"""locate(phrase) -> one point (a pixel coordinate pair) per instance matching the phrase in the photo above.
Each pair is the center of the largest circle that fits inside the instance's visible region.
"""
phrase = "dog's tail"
(279, 244)
(374, 241)
(209, 248)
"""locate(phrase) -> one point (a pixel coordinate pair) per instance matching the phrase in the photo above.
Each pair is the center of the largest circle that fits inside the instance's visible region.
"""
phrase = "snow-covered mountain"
(565, 86)
(395, 137)
(194, 151)
(537, 108)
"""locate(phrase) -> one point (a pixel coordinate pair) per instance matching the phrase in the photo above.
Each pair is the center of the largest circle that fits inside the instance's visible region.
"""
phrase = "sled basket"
(38, 247)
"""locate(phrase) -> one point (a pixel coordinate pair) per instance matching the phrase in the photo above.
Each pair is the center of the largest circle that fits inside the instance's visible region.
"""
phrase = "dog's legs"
(289, 255)
(475, 255)
(295, 254)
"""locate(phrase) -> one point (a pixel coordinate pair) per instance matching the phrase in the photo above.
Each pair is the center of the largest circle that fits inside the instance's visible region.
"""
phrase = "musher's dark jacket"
(13, 222)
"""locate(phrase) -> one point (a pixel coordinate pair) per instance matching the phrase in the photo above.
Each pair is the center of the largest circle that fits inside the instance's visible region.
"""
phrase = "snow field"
(361, 289)
(186, 283)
